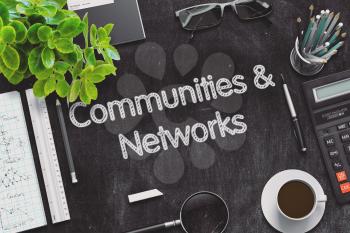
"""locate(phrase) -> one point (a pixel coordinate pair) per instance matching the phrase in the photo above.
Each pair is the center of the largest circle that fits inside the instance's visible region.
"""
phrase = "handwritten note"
(21, 206)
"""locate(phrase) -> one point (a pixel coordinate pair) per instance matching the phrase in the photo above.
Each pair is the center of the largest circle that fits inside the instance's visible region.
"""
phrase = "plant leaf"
(56, 3)
(62, 88)
(86, 30)
(107, 58)
(70, 58)
(88, 70)
(34, 18)
(90, 56)
(104, 42)
(83, 95)
(44, 33)
(48, 57)
(16, 78)
(4, 13)
(21, 30)
(65, 45)
(59, 76)
(91, 89)
(96, 78)
(6, 71)
(61, 67)
(79, 52)
(57, 19)
(35, 62)
(74, 90)
(23, 66)
(109, 28)
(69, 26)
(38, 88)
(47, 11)
(105, 69)
(51, 43)
(33, 33)
(50, 86)
(2, 47)
(10, 4)
(45, 74)
(113, 53)
(10, 57)
(8, 34)
(93, 35)
(101, 32)
(78, 67)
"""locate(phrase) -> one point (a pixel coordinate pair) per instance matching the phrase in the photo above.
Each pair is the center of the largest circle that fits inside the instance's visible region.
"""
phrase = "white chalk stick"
(144, 195)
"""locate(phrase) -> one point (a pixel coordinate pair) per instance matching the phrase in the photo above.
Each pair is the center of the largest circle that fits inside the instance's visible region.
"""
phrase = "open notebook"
(21, 206)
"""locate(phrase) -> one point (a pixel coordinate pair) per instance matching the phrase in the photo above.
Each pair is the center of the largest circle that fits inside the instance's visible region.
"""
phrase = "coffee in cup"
(297, 200)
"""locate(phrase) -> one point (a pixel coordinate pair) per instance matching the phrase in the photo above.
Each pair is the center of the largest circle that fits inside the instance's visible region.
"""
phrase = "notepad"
(21, 206)
(124, 14)
(84, 4)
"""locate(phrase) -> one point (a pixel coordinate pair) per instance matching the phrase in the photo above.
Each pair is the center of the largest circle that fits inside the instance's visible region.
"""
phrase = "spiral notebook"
(21, 206)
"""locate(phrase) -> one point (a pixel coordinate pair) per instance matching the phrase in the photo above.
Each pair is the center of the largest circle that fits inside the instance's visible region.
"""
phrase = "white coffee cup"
(318, 198)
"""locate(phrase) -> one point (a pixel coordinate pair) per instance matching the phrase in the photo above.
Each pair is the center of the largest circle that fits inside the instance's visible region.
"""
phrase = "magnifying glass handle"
(157, 227)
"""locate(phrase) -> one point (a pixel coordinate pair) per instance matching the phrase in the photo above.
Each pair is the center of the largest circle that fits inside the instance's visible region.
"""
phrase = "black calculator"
(328, 101)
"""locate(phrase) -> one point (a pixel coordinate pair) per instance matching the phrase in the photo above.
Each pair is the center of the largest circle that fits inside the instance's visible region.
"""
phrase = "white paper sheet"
(83, 4)
(21, 206)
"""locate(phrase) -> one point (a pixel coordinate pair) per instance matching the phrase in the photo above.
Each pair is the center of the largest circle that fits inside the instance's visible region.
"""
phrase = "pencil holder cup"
(301, 64)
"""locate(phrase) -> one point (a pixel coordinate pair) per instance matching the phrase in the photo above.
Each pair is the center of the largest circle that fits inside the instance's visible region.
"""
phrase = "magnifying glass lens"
(205, 213)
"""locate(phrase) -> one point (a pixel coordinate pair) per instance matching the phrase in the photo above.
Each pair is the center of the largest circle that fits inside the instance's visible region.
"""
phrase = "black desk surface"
(98, 203)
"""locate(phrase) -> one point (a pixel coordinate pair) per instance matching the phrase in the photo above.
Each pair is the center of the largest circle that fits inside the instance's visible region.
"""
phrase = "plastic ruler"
(48, 158)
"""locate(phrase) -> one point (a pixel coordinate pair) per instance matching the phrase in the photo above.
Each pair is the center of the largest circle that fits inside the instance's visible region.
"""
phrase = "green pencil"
(326, 24)
(311, 37)
(311, 8)
(329, 55)
(308, 32)
(334, 37)
(329, 20)
(335, 47)
(331, 27)
(320, 29)
(320, 48)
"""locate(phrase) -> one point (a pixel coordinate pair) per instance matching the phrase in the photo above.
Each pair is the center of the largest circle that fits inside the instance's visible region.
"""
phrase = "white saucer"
(269, 200)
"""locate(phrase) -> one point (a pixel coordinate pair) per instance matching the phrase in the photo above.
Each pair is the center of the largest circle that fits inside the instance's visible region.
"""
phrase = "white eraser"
(144, 195)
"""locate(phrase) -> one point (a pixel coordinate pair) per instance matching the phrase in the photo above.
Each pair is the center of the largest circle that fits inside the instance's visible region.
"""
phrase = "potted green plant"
(37, 41)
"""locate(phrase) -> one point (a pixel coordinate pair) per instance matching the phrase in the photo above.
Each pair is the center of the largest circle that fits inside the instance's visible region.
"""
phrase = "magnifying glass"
(203, 212)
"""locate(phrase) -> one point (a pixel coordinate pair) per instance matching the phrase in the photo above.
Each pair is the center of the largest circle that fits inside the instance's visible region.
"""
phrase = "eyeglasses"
(210, 15)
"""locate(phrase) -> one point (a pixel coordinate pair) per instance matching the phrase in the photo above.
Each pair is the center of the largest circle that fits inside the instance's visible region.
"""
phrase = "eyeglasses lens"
(200, 17)
(253, 9)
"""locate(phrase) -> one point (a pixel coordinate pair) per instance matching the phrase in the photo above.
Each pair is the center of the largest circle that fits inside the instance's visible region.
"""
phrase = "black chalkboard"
(236, 168)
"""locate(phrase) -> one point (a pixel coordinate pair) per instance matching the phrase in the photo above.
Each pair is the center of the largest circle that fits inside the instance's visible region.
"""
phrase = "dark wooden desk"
(98, 203)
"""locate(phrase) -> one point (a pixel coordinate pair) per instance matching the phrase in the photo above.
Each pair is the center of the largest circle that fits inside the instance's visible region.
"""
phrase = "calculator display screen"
(332, 90)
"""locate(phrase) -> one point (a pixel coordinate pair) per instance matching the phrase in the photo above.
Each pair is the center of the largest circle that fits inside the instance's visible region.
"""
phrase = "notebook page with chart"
(21, 206)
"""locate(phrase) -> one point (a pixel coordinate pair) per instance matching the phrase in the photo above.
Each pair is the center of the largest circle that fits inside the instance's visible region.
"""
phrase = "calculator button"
(333, 153)
(341, 176)
(337, 165)
(342, 126)
(329, 141)
(345, 188)
(345, 137)
(347, 148)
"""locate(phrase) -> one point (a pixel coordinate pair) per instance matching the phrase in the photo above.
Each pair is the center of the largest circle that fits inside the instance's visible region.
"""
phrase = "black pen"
(296, 125)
